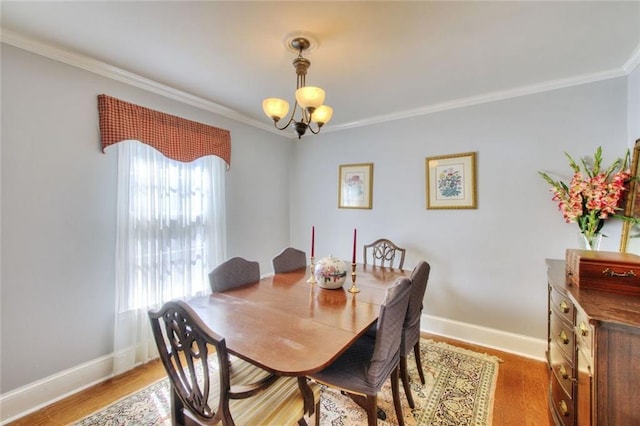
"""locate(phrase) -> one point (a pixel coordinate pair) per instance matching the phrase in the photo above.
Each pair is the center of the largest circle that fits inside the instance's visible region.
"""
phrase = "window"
(170, 235)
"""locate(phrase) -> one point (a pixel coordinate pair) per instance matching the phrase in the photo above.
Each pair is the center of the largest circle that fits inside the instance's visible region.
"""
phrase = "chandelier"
(310, 99)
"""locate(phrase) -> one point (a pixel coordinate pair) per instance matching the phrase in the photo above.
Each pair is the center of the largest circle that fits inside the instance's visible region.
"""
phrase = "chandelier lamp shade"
(308, 108)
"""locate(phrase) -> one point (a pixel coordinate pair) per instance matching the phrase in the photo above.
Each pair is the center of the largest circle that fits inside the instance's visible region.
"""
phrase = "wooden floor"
(521, 394)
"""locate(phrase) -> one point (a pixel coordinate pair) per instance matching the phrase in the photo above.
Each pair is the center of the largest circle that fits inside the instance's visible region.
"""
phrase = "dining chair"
(289, 259)
(208, 386)
(411, 326)
(366, 365)
(384, 251)
(233, 273)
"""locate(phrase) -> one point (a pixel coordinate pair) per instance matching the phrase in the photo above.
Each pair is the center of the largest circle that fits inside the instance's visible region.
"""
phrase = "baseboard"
(518, 344)
(34, 396)
(37, 395)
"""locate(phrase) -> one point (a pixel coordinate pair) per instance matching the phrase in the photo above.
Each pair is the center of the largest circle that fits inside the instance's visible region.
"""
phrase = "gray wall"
(58, 211)
(487, 264)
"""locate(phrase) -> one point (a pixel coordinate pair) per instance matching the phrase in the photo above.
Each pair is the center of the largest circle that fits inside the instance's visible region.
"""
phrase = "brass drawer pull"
(563, 372)
(613, 273)
(584, 330)
(563, 337)
(564, 307)
(563, 408)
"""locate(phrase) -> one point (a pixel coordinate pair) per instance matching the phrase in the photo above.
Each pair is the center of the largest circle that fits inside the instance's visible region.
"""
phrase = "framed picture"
(355, 186)
(451, 181)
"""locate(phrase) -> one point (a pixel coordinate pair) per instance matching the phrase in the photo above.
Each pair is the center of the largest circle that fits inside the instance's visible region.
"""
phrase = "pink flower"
(593, 195)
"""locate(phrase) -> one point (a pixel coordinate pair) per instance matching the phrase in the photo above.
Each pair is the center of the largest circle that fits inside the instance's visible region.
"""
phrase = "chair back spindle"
(385, 253)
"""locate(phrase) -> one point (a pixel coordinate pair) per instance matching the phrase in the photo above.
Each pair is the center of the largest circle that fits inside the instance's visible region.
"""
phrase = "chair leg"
(416, 352)
(405, 381)
(372, 409)
(363, 403)
(177, 413)
(395, 390)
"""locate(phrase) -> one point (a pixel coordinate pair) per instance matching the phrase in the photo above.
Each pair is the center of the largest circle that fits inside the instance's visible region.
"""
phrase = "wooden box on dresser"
(593, 354)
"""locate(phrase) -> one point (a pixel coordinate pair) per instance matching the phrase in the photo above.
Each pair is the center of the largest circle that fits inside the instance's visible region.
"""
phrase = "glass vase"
(589, 242)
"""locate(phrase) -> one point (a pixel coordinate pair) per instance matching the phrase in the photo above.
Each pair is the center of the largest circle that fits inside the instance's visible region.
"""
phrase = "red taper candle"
(313, 240)
(353, 259)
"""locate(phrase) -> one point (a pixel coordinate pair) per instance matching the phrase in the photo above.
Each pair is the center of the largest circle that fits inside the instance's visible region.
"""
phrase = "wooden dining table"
(291, 327)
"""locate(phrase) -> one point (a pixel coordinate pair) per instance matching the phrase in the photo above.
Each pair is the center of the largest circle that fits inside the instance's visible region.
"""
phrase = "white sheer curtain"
(170, 234)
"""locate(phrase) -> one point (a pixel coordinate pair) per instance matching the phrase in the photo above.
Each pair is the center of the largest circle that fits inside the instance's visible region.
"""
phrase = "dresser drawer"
(584, 332)
(562, 368)
(561, 304)
(562, 335)
(561, 404)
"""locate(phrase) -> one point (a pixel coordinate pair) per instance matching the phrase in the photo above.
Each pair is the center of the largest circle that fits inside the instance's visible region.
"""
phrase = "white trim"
(34, 396)
(518, 344)
(101, 68)
(39, 394)
(486, 98)
(633, 61)
(109, 71)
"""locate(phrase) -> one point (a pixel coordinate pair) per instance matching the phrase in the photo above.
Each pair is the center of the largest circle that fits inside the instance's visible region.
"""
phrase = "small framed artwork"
(451, 181)
(355, 186)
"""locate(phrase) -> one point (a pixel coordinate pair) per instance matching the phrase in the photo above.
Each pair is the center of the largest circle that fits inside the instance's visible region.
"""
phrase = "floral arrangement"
(593, 195)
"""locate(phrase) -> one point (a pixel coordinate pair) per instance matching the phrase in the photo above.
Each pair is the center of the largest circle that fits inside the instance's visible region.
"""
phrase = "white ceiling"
(376, 60)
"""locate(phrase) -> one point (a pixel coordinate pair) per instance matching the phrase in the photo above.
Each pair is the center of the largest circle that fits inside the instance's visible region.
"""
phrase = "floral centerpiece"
(593, 195)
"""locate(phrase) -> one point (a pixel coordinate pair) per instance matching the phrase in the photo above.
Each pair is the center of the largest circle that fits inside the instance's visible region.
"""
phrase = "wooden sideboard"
(593, 354)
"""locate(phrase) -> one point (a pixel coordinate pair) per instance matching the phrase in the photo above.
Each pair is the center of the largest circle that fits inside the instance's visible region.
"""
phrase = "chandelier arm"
(315, 132)
(306, 117)
(291, 118)
(275, 123)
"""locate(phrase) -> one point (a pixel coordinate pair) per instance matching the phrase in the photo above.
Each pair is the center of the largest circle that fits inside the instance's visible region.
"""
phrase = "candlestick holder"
(312, 267)
(353, 288)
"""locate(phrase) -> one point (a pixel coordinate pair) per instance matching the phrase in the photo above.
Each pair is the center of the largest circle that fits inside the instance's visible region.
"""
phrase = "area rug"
(459, 390)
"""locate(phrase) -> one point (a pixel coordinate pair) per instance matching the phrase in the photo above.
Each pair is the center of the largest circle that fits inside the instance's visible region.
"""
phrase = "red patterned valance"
(176, 138)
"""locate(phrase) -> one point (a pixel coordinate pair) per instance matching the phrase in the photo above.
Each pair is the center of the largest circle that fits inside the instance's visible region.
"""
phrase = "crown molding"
(101, 68)
(118, 74)
(633, 61)
(486, 98)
